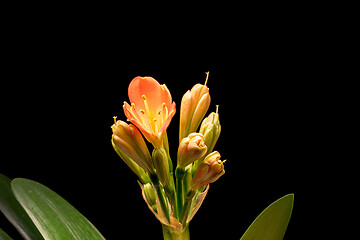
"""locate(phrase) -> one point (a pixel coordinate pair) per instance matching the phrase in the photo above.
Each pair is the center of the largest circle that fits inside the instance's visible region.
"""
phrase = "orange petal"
(166, 123)
(155, 93)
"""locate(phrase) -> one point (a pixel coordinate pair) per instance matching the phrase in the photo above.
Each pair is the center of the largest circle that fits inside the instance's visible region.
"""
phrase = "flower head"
(151, 108)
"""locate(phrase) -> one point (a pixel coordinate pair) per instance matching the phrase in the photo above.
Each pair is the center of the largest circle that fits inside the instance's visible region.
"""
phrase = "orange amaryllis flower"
(151, 108)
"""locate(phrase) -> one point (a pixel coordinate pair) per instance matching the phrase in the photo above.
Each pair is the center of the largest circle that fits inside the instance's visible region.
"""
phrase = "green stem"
(163, 202)
(170, 186)
(170, 233)
(185, 211)
(170, 191)
(179, 174)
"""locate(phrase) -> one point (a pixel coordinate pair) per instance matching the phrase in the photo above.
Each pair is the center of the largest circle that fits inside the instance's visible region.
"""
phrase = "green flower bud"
(211, 128)
(150, 195)
(161, 164)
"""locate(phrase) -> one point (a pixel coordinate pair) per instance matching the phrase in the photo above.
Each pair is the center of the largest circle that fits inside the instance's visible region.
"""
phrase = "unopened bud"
(129, 141)
(211, 128)
(208, 171)
(150, 195)
(161, 164)
(194, 106)
(191, 149)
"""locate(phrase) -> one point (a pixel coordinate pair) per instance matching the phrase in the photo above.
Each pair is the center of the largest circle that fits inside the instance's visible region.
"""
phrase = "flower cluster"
(173, 196)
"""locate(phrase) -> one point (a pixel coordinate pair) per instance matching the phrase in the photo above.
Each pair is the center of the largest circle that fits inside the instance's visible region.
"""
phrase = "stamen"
(217, 108)
(134, 113)
(156, 126)
(207, 76)
(166, 109)
(115, 119)
(165, 113)
(146, 106)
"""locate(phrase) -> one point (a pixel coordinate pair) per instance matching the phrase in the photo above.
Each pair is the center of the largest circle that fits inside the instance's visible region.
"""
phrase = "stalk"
(164, 206)
(185, 211)
(170, 233)
(179, 174)
(170, 187)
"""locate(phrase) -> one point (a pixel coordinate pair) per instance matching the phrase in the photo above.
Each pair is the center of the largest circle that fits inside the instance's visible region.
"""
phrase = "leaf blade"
(4, 236)
(53, 216)
(15, 213)
(271, 224)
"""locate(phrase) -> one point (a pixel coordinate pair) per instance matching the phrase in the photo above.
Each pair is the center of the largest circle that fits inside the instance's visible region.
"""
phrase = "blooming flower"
(151, 108)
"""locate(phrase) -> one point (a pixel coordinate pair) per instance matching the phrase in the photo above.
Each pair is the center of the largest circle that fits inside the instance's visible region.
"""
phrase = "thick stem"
(171, 233)
(185, 211)
(179, 174)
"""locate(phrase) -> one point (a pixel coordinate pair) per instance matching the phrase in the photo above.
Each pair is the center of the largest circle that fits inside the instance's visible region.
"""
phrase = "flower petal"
(155, 93)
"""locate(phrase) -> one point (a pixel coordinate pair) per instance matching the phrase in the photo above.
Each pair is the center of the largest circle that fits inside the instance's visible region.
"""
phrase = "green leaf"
(271, 224)
(15, 213)
(4, 236)
(53, 216)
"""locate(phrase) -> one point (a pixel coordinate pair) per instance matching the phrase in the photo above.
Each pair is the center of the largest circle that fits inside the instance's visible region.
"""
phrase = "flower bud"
(129, 141)
(194, 106)
(140, 172)
(150, 195)
(211, 128)
(161, 164)
(191, 149)
(208, 171)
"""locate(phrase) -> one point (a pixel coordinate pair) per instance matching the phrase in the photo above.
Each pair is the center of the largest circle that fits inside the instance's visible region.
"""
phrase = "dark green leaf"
(4, 236)
(271, 224)
(54, 217)
(14, 212)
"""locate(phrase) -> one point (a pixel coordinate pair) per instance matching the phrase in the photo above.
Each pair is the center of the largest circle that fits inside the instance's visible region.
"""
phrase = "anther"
(207, 76)
(142, 111)
(144, 97)
(114, 119)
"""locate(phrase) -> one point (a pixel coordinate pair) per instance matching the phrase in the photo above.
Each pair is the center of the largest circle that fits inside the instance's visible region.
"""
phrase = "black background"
(65, 81)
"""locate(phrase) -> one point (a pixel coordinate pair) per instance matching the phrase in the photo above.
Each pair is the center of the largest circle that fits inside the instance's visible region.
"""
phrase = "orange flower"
(151, 108)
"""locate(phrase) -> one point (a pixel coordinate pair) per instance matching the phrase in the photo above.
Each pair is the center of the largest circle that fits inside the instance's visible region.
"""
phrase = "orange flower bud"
(208, 171)
(194, 106)
(128, 140)
(191, 149)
